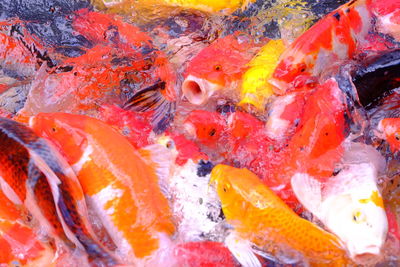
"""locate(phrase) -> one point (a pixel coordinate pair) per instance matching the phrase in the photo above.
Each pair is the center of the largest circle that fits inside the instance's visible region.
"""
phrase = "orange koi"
(261, 217)
(337, 37)
(218, 67)
(35, 176)
(160, 93)
(119, 184)
(316, 145)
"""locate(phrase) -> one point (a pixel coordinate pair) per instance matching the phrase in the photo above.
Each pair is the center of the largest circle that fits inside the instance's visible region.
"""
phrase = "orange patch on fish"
(374, 198)
(121, 184)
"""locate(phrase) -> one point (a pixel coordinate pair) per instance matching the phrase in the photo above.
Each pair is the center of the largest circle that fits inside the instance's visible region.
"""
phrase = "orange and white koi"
(119, 184)
(349, 203)
(33, 175)
(341, 35)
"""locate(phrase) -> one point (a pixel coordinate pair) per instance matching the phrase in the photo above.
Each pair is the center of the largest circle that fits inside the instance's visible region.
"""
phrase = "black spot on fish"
(204, 168)
(377, 77)
(336, 16)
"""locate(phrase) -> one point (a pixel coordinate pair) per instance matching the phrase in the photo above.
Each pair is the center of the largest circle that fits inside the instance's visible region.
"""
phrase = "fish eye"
(218, 67)
(302, 67)
(359, 216)
(212, 132)
(397, 136)
(53, 129)
(226, 187)
(170, 144)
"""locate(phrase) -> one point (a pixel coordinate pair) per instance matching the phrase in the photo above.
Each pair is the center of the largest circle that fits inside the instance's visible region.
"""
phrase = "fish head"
(242, 125)
(389, 129)
(216, 67)
(184, 148)
(59, 129)
(205, 126)
(358, 217)
(292, 72)
(238, 189)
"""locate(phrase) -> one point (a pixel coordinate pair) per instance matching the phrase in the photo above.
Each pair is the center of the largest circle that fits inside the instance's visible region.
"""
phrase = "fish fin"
(242, 250)
(161, 160)
(152, 98)
(308, 192)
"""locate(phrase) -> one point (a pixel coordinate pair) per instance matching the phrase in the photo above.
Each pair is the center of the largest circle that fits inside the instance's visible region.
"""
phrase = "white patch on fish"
(77, 167)
(275, 126)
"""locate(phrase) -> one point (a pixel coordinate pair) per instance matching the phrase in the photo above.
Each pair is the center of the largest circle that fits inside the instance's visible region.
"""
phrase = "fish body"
(118, 183)
(336, 38)
(258, 215)
(255, 86)
(285, 113)
(224, 7)
(218, 67)
(316, 145)
(121, 66)
(186, 149)
(79, 85)
(133, 125)
(153, 81)
(35, 176)
(349, 203)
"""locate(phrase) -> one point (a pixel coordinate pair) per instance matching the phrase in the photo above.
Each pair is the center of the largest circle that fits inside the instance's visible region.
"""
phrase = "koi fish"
(35, 176)
(119, 184)
(224, 7)
(349, 204)
(151, 83)
(80, 84)
(205, 127)
(258, 215)
(255, 86)
(389, 130)
(316, 145)
(218, 67)
(337, 37)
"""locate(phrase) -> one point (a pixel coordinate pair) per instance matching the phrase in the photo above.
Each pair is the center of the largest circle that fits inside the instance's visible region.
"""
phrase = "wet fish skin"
(46, 185)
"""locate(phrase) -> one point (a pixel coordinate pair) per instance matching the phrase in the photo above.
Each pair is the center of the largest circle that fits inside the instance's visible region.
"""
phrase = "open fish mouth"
(197, 90)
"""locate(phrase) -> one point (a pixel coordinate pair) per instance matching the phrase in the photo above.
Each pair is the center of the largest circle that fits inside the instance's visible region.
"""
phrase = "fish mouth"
(366, 257)
(366, 253)
(197, 90)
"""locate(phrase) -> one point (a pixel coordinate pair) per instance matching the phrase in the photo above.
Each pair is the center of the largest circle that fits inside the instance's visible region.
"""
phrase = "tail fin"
(152, 98)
